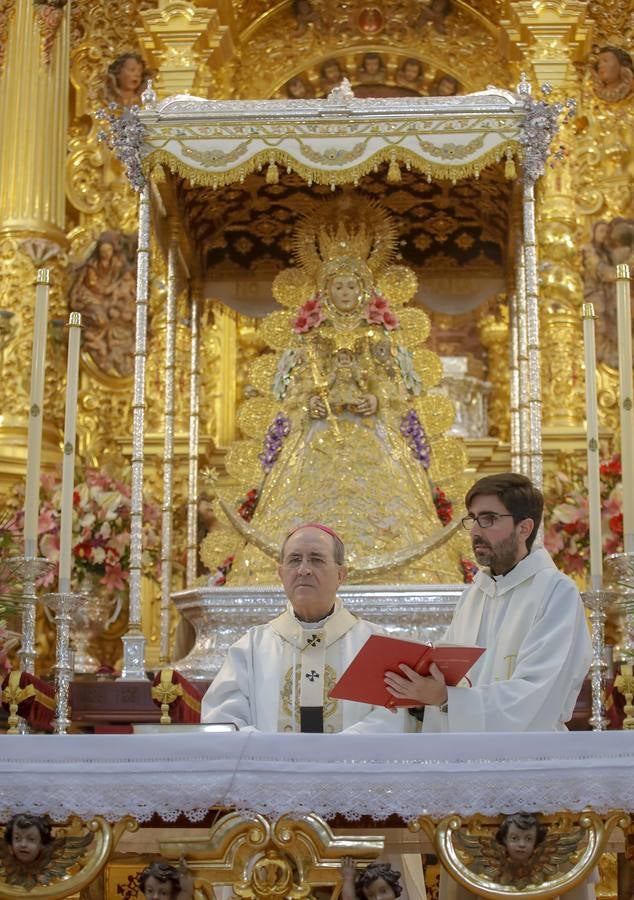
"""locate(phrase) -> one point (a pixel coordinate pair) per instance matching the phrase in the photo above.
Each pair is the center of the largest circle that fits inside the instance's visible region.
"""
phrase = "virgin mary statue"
(340, 427)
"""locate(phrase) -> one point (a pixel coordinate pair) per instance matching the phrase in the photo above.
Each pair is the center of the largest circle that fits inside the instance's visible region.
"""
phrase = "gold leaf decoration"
(398, 284)
(221, 542)
(436, 413)
(262, 371)
(292, 287)
(256, 414)
(415, 327)
(242, 462)
(277, 330)
(448, 458)
(428, 365)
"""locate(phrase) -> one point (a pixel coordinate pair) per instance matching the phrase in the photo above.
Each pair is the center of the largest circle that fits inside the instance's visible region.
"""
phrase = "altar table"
(347, 775)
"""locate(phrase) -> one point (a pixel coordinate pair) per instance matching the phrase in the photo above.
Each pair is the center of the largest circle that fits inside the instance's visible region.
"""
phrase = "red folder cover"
(363, 679)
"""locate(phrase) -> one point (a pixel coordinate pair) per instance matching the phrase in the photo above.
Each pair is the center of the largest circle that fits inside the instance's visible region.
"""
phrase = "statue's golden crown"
(351, 227)
(340, 240)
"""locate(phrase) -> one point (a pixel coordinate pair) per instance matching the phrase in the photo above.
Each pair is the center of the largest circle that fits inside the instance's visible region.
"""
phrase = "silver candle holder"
(28, 569)
(620, 569)
(64, 606)
(597, 601)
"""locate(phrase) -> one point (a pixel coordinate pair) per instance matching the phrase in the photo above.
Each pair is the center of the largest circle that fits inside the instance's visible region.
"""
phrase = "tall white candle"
(68, 467)
(36, 401)
(624, 323)
(592, 431)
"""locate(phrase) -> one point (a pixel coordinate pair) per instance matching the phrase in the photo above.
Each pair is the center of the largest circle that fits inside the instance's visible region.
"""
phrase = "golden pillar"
(33, 133)
(547, 40)
(494, 334)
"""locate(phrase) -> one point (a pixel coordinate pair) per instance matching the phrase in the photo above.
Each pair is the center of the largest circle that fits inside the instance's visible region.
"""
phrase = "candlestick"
(592, 433)
(68, 466)
(36, 400)
(63, 605)
(624, 324)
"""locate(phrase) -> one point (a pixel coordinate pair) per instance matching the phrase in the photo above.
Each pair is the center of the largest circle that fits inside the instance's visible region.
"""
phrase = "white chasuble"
(277, 672)
(538, 651)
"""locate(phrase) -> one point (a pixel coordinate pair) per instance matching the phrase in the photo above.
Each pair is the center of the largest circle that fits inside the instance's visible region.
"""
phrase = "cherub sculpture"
(30, 855)
(160, 881)
(378, 881)
(523, 851)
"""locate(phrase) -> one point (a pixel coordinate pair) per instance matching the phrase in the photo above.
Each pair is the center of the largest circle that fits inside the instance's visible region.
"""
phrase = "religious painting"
(612, 74)
(104, 292)
(126, 79)
(610, 244)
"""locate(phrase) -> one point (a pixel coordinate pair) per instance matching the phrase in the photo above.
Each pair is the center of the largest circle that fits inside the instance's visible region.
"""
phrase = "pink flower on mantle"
(310, 315)
(379, 313)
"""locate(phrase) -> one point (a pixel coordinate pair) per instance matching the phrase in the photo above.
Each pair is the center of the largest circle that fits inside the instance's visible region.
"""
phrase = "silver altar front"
(220, 615)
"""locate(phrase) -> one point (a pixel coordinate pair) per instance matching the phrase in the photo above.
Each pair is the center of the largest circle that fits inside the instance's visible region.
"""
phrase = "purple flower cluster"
(273, 440)
(414, 434)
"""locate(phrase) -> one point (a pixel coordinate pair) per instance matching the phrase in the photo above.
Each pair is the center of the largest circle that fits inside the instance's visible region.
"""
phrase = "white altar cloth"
(351, 775)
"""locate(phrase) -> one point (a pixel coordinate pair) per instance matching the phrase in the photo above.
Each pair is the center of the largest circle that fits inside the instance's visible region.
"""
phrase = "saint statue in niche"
(613, 74)
(104, 292)
(342, 430)
(307, 16)
(127, 78)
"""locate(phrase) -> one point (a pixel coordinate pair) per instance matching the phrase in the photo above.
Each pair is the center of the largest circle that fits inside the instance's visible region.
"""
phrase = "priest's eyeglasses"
(484, 520)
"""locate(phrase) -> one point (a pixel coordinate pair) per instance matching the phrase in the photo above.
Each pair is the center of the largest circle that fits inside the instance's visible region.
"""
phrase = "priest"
(523, 610)
(277, 677)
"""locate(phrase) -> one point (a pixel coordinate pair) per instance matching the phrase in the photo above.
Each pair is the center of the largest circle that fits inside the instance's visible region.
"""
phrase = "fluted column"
(33, 127)
(33, 133)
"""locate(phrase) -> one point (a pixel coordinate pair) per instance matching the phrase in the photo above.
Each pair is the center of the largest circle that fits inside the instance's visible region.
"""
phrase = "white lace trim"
(350, 775)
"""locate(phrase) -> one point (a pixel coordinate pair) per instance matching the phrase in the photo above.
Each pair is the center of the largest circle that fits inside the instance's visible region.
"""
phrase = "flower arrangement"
(101, 529)
(377, 312)
(567, 532)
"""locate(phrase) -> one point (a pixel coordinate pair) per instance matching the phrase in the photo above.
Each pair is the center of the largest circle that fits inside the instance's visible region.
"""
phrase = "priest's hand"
(428, 690)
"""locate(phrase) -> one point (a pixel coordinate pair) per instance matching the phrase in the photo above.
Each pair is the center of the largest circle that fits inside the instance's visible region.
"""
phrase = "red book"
(363, 679)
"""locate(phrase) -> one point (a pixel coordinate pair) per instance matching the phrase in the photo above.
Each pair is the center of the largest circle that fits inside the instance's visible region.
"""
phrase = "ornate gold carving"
(73, 860)
(550, 35)
(48, 15)
(262, 859)
(7, 8)
(466, 49)
(182, 41)
(561, 368)
(494, 333)
(476, 852)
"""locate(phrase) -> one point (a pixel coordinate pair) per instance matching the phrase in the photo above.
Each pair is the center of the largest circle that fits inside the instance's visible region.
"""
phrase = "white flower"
(98, 555)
